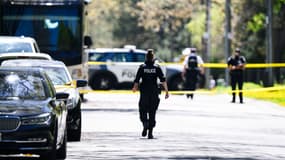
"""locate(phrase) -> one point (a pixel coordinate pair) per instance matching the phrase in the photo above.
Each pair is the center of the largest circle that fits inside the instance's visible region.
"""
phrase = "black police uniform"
(236, 75)
(192, 73)
(149, 92)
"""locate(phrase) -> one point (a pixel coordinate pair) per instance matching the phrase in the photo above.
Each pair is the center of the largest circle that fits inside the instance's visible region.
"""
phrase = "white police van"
(110, 68)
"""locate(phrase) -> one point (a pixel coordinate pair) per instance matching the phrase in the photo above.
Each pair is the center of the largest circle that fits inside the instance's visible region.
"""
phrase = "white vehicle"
(14, 44)
(25, 55)
(110, 68)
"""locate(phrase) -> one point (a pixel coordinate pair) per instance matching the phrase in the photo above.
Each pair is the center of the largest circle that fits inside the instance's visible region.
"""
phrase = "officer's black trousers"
(237, 79)
(191, 80)
(148, 105)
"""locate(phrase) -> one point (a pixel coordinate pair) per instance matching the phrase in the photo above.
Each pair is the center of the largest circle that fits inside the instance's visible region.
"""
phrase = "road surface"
(208, 127)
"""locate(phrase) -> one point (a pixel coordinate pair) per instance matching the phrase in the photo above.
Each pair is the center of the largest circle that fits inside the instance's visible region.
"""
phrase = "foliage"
(169, 26)
(101, 22)
(197, 29)
(257, 22)
(166, 19)
(145, 23)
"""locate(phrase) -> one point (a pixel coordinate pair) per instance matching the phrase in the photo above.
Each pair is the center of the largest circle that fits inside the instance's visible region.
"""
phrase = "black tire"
(103, 82)
(82, 97)
(51, 155)
(61, 152)
(75, 135)
(176, 84)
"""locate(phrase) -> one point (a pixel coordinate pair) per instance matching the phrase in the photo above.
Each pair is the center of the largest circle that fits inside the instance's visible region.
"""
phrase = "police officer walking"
(236, 65)
(193, 67)
(149, 72)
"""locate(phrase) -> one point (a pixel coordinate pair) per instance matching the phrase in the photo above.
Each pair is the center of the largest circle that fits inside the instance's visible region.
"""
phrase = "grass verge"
(275, 96)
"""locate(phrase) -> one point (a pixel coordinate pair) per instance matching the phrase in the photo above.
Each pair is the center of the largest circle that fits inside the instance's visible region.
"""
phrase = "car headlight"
(70, 103)
(39, 119)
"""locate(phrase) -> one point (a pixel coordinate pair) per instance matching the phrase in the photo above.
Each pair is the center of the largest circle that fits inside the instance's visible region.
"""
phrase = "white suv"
(110, 68)
(14, 44)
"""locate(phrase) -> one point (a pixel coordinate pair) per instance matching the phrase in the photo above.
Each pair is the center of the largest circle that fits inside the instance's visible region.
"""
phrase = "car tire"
(61, 152)
(75, 134)
(176, 83)
(51, 155)
(103, 82)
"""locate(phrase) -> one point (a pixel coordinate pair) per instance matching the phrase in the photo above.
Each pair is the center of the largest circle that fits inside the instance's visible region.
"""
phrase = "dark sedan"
(63, 82)
(32, 114)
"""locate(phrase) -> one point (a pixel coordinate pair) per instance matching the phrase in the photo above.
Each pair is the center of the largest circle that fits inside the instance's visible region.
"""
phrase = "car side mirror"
(61, 96)
(81, 83)
(88, 41)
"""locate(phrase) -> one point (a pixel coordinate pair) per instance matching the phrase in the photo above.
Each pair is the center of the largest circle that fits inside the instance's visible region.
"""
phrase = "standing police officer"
(149, 92)
(236, 65)
(192, 69)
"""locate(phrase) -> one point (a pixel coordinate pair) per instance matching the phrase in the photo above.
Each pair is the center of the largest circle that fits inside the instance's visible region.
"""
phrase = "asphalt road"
(206, 128)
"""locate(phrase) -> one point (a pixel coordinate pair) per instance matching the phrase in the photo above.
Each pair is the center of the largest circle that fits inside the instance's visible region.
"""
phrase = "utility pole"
(269, 56)
(227, 36)
(207, 37)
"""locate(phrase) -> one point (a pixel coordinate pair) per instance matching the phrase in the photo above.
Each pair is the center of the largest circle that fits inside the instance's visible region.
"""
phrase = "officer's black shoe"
(187, 95)
(144, 132)
(241, 100)
(150, 136)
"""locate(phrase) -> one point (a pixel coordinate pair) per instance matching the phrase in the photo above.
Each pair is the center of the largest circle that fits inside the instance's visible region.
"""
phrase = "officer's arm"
(137, 79)
(230, 66)
(163, 81)
(166, 89)
(185, 66)
(242, 65)
(135, 87)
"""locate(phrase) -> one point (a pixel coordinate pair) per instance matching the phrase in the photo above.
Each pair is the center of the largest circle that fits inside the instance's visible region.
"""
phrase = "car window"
(15, 47)
(117, 57)
(100, 57)
(20, 85)
(57, 75)
(140, 57)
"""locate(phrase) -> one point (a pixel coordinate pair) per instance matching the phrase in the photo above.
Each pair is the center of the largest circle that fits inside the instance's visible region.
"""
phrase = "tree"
(102, 17)
(251, 32)
(167, 20)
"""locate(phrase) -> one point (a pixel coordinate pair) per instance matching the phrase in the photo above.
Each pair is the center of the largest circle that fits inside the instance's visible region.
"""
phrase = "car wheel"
(75, 134)
(176, 83)
(51, 155)
(61, 152)
(103, 82)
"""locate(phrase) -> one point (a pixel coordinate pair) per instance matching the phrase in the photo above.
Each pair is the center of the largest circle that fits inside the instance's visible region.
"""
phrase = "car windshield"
(8, 47)
(21, 85)
(57, 75)
(117, 57)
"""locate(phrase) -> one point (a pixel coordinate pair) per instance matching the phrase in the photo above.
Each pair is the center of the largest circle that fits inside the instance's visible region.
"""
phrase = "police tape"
(224, 65)
(206, 65)
(199, 91)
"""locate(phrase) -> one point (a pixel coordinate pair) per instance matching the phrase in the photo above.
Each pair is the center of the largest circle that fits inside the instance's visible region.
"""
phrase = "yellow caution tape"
(207, 65)
(186, 92)
(224, 65)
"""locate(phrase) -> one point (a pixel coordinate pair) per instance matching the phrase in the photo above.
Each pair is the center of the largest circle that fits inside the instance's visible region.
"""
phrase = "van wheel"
(103, 82)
